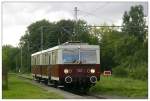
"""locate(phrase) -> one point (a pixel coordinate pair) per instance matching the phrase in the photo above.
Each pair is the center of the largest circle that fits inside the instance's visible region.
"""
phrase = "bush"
(120, 71)
(140, 73)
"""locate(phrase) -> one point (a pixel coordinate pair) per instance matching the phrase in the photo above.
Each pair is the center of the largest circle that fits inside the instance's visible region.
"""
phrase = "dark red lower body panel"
(79, 73)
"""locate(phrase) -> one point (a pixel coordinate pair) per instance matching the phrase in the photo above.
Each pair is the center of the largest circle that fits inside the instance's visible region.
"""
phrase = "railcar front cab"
(68, 64)
(80, 64)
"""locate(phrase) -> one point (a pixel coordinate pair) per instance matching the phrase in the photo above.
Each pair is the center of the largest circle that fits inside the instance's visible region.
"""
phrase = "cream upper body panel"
(59, 49)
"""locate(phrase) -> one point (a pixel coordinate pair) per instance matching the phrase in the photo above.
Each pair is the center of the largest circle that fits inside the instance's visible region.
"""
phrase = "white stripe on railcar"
(38, 75)
(43, 76)
(55, 78)
(33, 74)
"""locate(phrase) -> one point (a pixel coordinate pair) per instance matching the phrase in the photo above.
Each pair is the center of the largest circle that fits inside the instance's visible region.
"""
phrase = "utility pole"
(28, 57)
(41, 45)
(75, 14)
(16, 65)
(76, 27)
(28, 54)
(76, 18)
(21, 60)
(41, 38)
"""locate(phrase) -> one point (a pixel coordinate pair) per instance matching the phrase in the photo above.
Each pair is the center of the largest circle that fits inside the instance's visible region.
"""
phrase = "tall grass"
(121, 86)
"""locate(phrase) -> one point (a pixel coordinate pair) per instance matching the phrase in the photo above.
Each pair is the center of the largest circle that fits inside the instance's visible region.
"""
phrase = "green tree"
(33, 35)
(53, 34)
(132, 51)
(110, 39)
(10, 62)
(10, 57)
(134, 22)
(64, 30)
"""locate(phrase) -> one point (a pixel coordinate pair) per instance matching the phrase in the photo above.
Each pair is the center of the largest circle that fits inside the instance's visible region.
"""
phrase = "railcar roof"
(49, 49)
(67, 46)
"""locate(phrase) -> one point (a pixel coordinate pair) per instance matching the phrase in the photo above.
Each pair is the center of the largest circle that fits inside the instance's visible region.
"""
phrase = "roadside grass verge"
(29, 76)
(20, 89)
(126, 87)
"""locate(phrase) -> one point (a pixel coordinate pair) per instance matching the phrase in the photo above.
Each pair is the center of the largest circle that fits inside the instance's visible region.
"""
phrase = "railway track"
(67, 93)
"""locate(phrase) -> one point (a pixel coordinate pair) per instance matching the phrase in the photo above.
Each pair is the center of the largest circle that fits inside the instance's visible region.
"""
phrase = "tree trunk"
(4, 78)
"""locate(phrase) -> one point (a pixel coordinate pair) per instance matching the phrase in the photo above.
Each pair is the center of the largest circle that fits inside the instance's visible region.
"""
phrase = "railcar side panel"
(54, 72)
(36, 70)
(44, 71)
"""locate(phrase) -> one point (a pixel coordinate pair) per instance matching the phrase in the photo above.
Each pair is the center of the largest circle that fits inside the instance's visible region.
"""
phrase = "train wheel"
(35, 78)
(39, 79)
(46, 81)
(55, 84)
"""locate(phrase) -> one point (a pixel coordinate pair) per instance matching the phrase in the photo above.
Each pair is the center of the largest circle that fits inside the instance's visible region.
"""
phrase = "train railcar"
(68, 64)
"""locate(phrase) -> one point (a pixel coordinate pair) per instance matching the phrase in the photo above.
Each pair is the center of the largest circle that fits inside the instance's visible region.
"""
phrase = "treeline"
(52, 34)
(10, 57)
(125, 52)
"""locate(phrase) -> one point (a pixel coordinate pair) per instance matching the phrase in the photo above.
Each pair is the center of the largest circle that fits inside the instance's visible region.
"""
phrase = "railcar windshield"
(88, 56)
(70, 55)
(76, 55)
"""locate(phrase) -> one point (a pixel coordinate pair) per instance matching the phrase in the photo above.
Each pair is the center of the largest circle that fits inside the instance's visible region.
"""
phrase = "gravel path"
(67, 95)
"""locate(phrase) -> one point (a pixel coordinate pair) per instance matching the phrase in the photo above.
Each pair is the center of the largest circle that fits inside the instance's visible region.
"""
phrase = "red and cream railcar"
(75, 64)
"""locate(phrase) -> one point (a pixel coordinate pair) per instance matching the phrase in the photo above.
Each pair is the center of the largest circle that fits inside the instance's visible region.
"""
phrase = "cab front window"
(88, 56)
(70, 55)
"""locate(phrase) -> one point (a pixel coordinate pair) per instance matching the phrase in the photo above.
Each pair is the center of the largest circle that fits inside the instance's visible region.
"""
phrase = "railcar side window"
(42, 59)
(56, 56)
(46, 58)
(33, 60)
(49, 56)
(88, 56)
(36, 60)
(49, 59)
(53, 57)
(70, 55)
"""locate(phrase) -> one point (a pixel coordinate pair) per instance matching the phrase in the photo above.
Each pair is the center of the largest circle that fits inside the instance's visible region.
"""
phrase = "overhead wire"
(95, 10)
(92, 14)
(98, 17)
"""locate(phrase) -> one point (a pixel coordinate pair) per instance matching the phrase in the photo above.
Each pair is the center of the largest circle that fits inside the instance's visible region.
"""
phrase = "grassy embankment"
(121, 87)
(20, 89)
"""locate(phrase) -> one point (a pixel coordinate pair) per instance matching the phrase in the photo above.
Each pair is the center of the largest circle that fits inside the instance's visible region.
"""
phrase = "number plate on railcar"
(79, 70)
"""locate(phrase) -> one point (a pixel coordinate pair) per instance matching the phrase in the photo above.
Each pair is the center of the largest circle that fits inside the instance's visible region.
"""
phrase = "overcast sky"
(16, 16)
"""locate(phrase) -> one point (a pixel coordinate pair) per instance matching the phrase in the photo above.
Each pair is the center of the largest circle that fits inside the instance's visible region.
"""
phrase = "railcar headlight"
(92, 71)
(66, 71)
